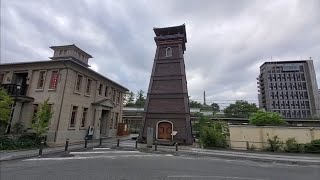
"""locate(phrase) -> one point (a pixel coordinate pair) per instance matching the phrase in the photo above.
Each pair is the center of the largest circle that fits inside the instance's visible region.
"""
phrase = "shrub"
(5, 107)
(42, 118)
(262, 118)
(13, 142)
(211, 137)
(18, 127)
(274, 144)
(313, 146)
(292, 145)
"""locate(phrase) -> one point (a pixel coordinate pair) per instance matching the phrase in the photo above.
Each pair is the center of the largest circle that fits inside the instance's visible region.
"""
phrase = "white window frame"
(100, 89)
(44, 80)
(90, 89)
(75, 118)
(168, 52)
(106, 89)
(80, 87)
(86, 118)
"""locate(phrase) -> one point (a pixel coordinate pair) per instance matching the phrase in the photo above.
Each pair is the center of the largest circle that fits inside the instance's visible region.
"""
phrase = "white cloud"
(227, 40)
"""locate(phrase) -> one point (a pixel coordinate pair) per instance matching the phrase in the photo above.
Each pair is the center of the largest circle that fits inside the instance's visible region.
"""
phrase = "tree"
(194, 104)
(240, 109)
(262, 118)
(5, 107)
(42, 118)
(215, 107)
(211, 133)
(140, 99)
(129, 102)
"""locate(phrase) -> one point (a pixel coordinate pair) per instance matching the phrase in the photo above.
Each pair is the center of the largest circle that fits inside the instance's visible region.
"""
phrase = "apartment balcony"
(19, 92)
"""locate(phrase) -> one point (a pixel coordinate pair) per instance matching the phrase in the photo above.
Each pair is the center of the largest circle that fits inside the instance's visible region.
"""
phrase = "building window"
(116, 121)
(73, 116)
(84, 117)
(168, 52)
(106, 91)
(65, 52)
(54, 80)
(41, 80)
(60, 52)
(119, 97)
(114, 95)
(79, 82)
(100, 89)
(88, 88)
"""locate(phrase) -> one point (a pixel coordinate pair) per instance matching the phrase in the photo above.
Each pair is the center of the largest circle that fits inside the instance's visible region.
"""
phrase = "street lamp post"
(13, 108)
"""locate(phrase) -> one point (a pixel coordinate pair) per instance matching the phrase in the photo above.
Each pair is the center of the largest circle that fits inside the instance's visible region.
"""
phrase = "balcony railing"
(13, 89)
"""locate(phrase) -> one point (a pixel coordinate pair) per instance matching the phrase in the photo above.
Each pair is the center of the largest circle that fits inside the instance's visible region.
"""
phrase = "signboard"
(174, 133)
(290, 67)
(90, 132)
(149, 137)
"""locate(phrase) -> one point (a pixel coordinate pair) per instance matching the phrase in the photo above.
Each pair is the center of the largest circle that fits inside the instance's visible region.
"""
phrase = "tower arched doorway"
(164, 130)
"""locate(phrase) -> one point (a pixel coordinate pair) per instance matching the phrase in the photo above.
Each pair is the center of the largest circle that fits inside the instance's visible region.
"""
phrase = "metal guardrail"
(243, 145)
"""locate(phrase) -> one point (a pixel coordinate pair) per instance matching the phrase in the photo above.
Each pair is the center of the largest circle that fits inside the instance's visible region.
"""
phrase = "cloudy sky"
(227, 40)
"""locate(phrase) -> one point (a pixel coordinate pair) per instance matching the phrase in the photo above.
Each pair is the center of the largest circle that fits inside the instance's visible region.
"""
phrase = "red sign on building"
(54, 80)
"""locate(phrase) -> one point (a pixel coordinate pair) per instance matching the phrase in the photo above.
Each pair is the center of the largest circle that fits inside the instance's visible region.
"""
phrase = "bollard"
(176, 146)
(67, 144)
(247, 145)
(118, 142)
(85, 142)
(41, 148)
(136, 144)
(155, 146)
(100, 143)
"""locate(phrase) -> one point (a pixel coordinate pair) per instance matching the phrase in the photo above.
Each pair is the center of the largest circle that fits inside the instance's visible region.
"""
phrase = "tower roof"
(181, 29)
(71, 46)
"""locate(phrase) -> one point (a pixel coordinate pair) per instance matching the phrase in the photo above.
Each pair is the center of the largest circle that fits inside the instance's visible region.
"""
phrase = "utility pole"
(204, 98)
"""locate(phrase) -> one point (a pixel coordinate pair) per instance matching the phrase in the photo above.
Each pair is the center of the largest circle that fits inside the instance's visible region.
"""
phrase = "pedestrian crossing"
(99, 153)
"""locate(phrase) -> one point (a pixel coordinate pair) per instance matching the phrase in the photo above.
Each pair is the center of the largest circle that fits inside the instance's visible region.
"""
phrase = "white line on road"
(93, 157)
(101, 148)
(104, 152)
(220, 177)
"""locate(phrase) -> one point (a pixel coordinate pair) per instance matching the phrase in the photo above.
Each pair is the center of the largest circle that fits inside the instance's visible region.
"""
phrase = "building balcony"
(17, 91)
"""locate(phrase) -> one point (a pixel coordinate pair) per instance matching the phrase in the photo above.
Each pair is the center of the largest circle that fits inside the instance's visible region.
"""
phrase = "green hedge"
(313, 146)
(13, 142)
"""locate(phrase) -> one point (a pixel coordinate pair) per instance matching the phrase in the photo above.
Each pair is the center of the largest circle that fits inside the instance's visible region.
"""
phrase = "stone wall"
(257, 136)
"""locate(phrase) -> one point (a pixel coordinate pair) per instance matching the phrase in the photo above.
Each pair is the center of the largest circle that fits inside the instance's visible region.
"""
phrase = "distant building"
(289, 88)
(80, 97)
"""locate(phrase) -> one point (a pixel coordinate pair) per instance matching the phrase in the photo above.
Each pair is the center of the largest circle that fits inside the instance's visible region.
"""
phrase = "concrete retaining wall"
(242, 137)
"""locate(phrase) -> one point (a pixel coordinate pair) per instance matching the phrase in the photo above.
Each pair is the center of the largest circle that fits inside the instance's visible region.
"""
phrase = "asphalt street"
(105, 163)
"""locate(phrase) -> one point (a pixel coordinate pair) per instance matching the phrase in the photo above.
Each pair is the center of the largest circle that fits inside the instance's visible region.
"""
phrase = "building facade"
(289, 88)
(79, 97)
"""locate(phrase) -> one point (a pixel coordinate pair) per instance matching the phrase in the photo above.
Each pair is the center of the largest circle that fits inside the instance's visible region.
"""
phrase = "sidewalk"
(291, 158)
(8, 155)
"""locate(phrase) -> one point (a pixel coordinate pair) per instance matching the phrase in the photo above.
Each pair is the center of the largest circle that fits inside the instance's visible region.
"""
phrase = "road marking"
(101, 148)
(93, 157)
(220, 177)
(104, 152)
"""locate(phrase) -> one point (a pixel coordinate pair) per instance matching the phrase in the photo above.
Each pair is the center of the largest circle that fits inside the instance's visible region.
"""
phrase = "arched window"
(168, 52)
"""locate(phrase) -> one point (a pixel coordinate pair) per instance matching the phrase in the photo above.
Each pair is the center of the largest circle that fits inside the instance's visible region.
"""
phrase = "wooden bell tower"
(167, 104)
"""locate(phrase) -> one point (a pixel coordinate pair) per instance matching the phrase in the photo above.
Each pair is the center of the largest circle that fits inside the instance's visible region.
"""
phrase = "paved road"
(119, 164)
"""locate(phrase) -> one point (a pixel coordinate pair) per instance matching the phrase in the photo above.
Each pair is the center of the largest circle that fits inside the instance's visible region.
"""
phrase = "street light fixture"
(18, 87)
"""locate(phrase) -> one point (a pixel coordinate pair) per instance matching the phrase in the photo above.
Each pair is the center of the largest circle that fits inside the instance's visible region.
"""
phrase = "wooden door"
(164, 130)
